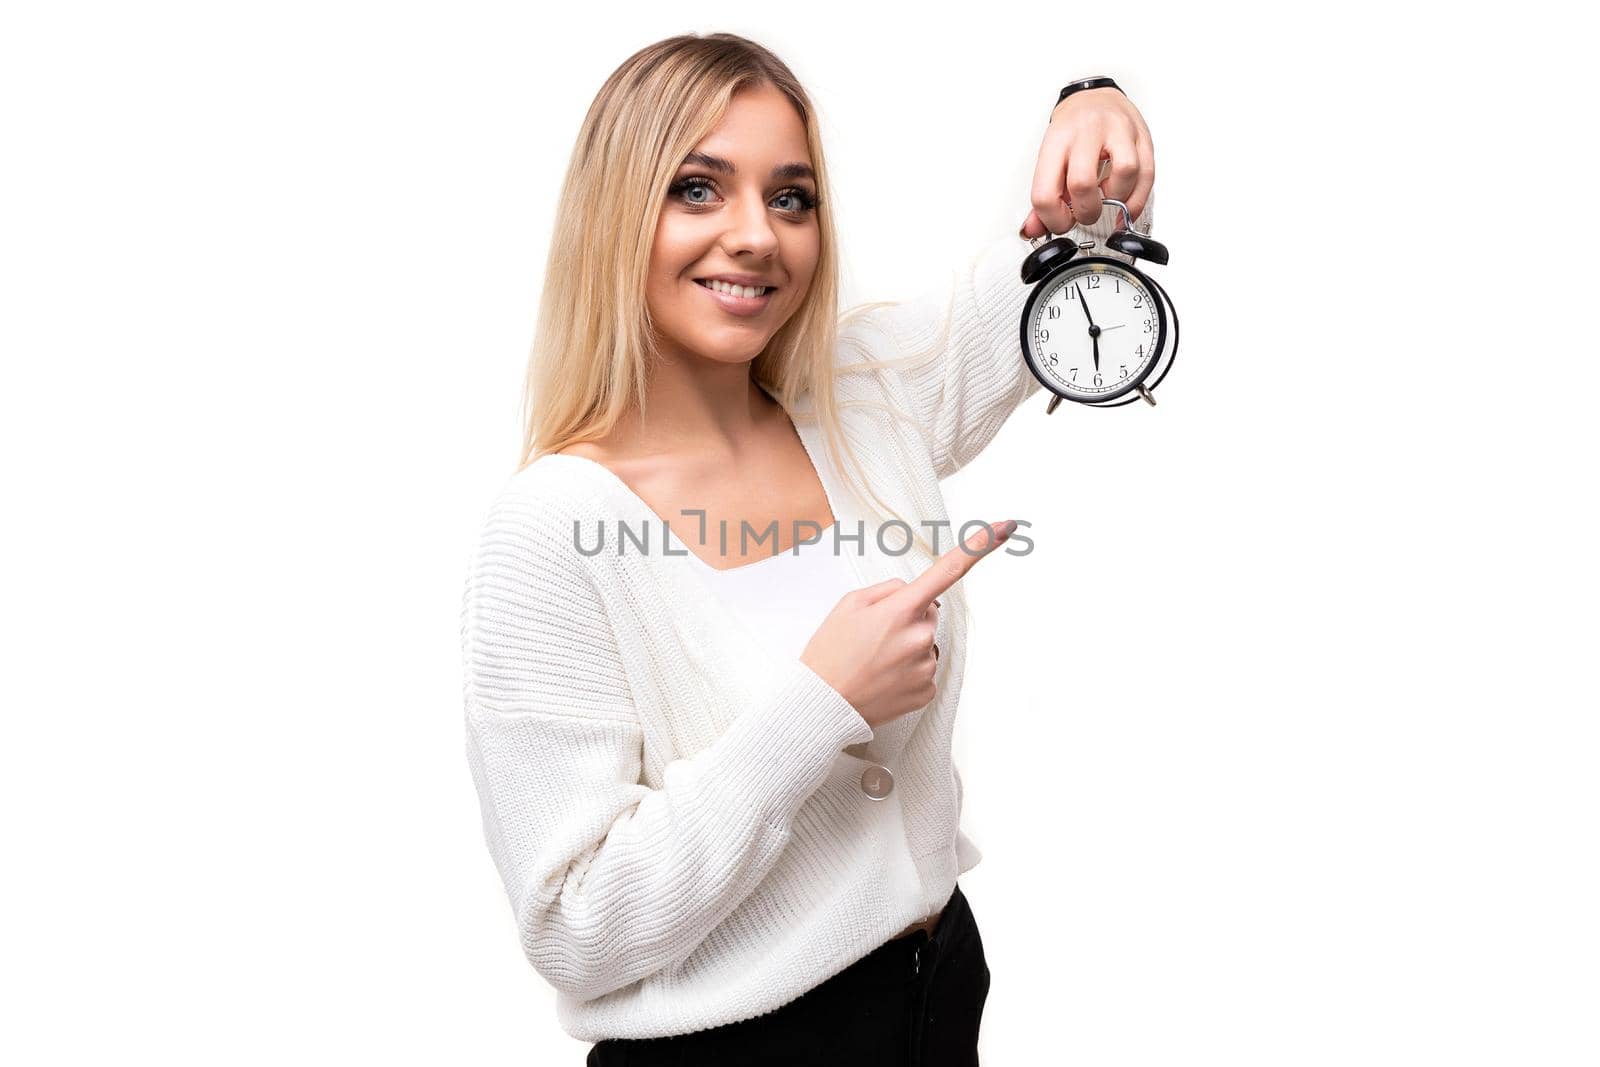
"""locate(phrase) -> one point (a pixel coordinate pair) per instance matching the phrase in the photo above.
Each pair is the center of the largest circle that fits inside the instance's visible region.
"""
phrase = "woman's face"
(741, 207)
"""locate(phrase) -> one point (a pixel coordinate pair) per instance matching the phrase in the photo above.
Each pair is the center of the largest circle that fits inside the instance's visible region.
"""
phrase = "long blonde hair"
(594, 341)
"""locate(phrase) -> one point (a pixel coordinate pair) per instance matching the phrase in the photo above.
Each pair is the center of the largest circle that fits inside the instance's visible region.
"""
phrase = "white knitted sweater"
(677, 813)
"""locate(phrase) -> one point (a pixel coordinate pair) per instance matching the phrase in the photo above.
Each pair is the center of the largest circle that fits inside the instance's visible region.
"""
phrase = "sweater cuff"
(1001, 294)
(783, 748)
(997, 274)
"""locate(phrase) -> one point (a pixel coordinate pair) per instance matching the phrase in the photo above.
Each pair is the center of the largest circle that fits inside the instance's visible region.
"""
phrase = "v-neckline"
(823, 470)
(683, 571)
(708, 620)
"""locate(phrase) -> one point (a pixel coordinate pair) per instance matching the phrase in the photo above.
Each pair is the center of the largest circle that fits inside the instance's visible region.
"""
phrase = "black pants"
(911, 1002)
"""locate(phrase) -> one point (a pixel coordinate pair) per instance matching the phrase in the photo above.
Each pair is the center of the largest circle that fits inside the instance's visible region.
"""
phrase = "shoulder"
(526, 528)
(532, 622)
(553, 488)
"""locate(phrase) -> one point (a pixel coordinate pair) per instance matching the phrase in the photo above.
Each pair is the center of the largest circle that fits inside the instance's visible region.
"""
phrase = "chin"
(743, 353)
(726, 343)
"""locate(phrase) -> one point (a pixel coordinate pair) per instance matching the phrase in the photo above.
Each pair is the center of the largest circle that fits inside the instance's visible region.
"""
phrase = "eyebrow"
(782, 172)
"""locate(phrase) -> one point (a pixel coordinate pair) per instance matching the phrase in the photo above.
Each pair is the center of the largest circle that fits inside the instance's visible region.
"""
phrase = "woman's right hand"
(875, 648)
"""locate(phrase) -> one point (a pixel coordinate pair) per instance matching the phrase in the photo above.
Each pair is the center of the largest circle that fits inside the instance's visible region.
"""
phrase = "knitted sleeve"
(956, 352)
(610, 880)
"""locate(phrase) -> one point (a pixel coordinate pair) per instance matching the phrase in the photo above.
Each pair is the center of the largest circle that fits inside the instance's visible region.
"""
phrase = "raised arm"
(611, 880)
(963, 373)
(955, 352)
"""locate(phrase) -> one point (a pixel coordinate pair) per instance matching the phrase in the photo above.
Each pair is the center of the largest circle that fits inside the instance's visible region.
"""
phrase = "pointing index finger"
(951, 567)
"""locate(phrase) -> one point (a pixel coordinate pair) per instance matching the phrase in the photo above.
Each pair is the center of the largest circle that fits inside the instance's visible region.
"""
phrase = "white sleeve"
(610, 880)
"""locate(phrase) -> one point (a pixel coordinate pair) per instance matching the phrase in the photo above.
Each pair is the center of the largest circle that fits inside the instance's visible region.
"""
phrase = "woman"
(716, 780)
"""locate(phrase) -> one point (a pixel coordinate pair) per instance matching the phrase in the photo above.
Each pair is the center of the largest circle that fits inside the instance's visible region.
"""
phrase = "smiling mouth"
(743, 290)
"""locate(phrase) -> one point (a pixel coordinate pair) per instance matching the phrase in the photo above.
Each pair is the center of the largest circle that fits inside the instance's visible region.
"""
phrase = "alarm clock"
(1094, 329)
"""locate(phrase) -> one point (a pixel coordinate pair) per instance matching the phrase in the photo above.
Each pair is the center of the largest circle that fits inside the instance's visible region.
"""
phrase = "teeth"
(735, 290)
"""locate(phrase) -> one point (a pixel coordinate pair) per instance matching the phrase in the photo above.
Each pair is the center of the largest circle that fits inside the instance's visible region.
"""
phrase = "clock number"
(1044, 335)
(1124, 370)
(1149, 324)
(1097, 380)
(1092, 281)
(1138, 299)
(1074, 373)
(1052, 312)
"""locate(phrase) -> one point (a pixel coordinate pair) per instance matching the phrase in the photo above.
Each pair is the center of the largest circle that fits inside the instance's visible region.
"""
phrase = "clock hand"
(1083, 304)
(1118, 326)
(1094, 331)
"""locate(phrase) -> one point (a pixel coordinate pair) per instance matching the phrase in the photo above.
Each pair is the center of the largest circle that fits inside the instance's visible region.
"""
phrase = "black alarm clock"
(1094, 329)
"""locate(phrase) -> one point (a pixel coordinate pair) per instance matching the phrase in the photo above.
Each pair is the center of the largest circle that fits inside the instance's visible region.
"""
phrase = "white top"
(783, 598)
(684, 819)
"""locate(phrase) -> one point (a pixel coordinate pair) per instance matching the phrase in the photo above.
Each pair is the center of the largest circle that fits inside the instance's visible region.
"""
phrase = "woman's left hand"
(1085, 128)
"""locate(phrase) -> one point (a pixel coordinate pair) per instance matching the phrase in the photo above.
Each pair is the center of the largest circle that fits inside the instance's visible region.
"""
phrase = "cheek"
(801, 256)
(676, 244)
(671, 256)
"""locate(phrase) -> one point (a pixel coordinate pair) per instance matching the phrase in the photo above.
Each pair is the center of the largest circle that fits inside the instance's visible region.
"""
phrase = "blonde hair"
(594, 341)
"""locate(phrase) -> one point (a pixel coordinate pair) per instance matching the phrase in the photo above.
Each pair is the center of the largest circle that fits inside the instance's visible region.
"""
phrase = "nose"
(750, 229)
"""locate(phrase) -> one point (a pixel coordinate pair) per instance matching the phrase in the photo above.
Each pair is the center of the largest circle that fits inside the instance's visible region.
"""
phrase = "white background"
(1280, 747)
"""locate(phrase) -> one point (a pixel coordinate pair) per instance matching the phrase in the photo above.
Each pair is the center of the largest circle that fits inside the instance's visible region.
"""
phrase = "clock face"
(1093, 331)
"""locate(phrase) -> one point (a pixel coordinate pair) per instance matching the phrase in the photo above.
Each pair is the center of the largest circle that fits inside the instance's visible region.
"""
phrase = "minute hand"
(1083, 304)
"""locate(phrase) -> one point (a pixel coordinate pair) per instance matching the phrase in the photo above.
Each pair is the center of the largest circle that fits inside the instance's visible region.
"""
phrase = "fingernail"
(1006, 528)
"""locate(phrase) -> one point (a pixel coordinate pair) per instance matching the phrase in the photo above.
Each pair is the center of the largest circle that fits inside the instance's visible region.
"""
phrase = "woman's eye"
(801, 202)
(682, 189)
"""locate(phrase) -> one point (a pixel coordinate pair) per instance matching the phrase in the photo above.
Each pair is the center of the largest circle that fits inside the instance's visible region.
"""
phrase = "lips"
(737, 305)
(768, 286)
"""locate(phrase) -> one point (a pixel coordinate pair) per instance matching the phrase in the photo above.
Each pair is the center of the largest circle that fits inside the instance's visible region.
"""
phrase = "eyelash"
(808, 203)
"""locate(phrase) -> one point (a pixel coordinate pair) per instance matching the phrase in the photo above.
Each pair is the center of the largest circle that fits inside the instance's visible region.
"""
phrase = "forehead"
(760, 128)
